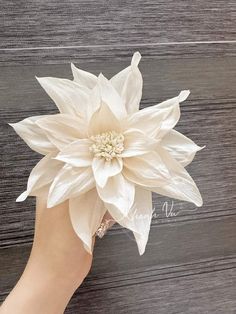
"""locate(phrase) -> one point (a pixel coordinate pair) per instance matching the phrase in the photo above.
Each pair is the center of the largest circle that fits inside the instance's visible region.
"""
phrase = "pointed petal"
(139, 217)
(111, 98)
(150, 120)
(42, 174)
(70, 97)
(119, 192)
(86, 213)
(104, 169)
(157, 120)
(77, 153)
(69, 183)
(33, 135)
(180, 147)
(172, 119)
(103, 120)
(62, 129)
(137, 143)
(180, 186)
(83, 78)
(146, 170)
(94, 102)
(129, 84)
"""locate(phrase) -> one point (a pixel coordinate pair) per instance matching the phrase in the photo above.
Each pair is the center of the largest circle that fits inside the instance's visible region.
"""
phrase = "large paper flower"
(103, 154)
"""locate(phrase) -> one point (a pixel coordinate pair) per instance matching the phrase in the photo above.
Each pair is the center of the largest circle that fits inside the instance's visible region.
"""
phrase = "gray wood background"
(190, 262)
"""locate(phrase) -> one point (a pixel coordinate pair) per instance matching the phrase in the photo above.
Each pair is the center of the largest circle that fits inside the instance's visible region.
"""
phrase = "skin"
(57, 265)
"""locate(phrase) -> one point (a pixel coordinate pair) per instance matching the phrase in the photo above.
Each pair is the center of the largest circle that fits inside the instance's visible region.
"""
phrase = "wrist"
(39, 294)
(42, 289)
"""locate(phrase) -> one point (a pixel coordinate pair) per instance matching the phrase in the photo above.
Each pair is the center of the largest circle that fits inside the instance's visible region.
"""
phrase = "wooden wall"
(190, 262)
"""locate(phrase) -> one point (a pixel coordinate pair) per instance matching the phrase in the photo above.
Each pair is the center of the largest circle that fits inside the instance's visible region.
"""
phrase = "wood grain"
(173, 252)
(207, 78)
(203, 292)
(99, 54)
(32, 34)
(83, 23)
(190, 263)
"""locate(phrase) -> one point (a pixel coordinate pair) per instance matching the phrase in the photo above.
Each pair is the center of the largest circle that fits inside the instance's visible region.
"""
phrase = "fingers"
(41, 212)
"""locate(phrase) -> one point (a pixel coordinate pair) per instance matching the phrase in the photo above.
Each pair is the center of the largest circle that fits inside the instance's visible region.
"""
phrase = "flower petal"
(146, 170)
(84, 78)
(70, 182)
(33, 135)
(42, 174)
(157, 120)
(174, 115)
(86, 214)
(180, 147)
(62, 129)
(119, 192)
(103, 120)
(129, 84)
(180, 186)
(137, 143)
(70, 97)
(139, 217)
(111, 98)
(77, 153)
(104, 169)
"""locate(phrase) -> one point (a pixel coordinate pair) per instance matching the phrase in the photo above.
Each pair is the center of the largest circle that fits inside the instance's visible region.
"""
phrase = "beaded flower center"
(107, 145)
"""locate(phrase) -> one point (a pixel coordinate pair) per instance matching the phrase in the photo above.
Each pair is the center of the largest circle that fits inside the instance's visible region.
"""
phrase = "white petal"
(111, 98)
(146, 170)
(149, 120)
(77, 153)
(157, 120)
(119, 192)
(180, 186)
(62, 129)
(86, 213)
(183, 95)
(139, 217)
(103, 169)
(103, 120)
(94, 102)
(83, 78)
(69, 183)
(129, 84)
(174, 115)
(70, 97)
(42, 174)
(34, 137)
(137, 143)
(180, 147)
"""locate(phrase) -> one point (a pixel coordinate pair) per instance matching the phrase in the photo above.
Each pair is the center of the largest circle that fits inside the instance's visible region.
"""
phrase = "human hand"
(57, 265)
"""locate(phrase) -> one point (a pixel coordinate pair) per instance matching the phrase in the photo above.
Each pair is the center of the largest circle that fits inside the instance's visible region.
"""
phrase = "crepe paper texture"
(104, 155)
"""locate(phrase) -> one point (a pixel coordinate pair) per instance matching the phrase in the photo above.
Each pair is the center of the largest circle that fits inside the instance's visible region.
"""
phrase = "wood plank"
(172, 245)
(32, 24)
(102, 53)
(208, 80)
(205, 292)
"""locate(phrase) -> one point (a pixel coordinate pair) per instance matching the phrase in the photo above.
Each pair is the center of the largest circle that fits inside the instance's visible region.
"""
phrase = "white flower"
(103, 154)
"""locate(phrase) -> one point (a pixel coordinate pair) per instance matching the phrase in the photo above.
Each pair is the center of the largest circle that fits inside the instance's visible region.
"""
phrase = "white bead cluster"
(107, 145)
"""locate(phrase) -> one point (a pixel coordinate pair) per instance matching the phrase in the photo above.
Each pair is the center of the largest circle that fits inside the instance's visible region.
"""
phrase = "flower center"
(107, 145)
